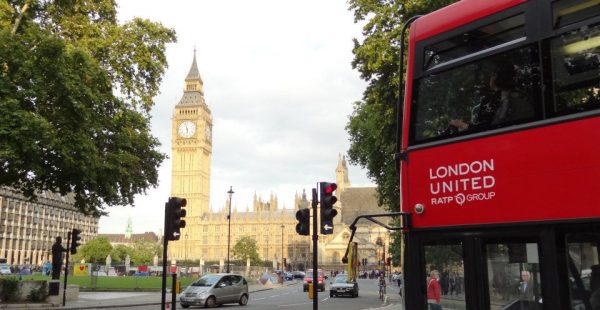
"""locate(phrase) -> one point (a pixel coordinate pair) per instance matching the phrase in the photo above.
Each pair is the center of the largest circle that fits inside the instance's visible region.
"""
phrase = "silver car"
(341, 286)
(215, 289)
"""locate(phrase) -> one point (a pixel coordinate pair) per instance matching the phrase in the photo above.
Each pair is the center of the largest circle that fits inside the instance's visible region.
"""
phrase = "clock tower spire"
(191, 152)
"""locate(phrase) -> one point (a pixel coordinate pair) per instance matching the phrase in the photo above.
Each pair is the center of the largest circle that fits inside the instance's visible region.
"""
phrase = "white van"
(4, 269)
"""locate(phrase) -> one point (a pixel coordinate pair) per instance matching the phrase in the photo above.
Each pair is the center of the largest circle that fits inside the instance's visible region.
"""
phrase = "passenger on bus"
(595, 287)
(493, 104)
(434, 291)
(526, 292)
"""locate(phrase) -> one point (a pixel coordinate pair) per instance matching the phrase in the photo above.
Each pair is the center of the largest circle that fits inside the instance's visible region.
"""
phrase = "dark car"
(216, 289)
(341, 286)
(298, 274)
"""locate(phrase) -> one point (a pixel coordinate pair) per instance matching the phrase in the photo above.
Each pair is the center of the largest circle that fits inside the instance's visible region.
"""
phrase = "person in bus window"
(526, 292)
(493, 102)
(595, 287)
(434, 291)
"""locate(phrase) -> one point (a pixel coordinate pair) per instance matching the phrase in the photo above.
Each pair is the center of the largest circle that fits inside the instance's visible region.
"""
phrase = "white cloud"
(278, 79)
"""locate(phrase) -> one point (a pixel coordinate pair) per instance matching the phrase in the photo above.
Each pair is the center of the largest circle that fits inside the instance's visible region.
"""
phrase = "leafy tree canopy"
(76, 89)
(95, 251)
(372, 125)
(246, 248)
(144, 252)
(119, 253)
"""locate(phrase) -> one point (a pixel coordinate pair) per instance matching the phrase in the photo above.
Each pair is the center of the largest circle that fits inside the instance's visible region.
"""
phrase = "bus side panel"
(545, 173)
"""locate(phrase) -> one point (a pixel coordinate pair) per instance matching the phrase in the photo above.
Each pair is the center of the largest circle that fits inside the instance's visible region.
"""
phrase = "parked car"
(308, 279)
(288, 276)
(216, 289)
(341, 286)
(4, 269)
(298, 274)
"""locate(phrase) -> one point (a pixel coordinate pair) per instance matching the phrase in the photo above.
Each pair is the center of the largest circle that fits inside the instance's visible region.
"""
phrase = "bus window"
(576, 70)
(474, 41)
(584, 271)
(513, 277)
(445, 276)
(497, 91)
(566, 12)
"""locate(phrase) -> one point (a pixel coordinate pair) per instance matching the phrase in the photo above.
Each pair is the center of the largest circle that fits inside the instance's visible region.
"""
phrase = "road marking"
(291, 305)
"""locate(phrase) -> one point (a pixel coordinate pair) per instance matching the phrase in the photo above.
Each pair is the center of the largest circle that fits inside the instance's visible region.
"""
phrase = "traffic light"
(327, 211)
(303, 226)
(284, 264)
(173, 218)
(75, 238)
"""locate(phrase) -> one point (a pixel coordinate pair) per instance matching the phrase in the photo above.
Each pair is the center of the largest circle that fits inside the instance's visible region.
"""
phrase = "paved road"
(288, 297)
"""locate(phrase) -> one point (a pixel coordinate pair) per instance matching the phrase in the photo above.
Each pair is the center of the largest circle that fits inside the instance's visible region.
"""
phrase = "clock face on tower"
(187, 129)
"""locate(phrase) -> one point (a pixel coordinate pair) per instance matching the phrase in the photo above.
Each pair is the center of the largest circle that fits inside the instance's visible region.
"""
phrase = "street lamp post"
(267, 258)
(282, 266)
(185, 247)
(230, 192)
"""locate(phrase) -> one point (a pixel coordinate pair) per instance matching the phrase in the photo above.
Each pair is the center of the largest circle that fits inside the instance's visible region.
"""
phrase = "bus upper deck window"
(494, 92)
(576, 70)
(473, 41)
(566, 12)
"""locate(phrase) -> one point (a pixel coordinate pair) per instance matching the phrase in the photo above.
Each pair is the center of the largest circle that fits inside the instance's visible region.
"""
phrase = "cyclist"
(381, 286)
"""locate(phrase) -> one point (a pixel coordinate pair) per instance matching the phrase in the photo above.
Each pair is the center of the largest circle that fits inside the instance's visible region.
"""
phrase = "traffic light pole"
(164, 263)
(315, 253)
(66, 269)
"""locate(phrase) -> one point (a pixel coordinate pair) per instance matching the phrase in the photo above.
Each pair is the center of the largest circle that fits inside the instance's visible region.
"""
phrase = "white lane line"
(259, 298)
(291, 305)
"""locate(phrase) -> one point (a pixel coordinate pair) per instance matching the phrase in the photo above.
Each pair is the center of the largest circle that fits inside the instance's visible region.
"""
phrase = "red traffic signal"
(327, 201)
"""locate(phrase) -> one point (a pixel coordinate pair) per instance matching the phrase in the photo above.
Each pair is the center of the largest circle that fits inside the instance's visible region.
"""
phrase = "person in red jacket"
(434, 290)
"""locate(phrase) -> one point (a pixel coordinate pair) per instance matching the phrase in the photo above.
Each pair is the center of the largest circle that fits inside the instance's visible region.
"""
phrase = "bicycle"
(381, 291)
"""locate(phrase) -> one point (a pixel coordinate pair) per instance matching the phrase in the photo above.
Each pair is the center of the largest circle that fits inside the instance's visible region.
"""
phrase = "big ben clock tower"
(191, 156)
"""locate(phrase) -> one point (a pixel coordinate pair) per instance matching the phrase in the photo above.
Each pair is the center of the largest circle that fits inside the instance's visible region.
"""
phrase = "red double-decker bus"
(500, 148)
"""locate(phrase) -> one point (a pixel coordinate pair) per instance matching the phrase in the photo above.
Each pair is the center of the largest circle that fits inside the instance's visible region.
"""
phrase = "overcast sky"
(279, 81)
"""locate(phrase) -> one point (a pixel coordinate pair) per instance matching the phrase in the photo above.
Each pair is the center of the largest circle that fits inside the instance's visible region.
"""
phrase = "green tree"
(372, 125)
(144, 251)
(95, 251)
(246, 248)
(76, 89)
(119, 252)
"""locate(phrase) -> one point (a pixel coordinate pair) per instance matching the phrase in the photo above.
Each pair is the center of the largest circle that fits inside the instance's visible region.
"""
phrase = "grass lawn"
(115, 283)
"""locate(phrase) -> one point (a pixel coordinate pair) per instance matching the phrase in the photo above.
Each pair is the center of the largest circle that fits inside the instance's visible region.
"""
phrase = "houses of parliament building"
(205, 236)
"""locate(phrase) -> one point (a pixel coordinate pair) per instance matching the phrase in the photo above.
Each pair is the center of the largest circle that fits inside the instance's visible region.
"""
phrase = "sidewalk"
(114, 300)
(392, 298)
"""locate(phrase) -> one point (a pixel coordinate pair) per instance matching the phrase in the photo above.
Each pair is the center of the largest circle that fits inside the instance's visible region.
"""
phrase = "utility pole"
(315, 252)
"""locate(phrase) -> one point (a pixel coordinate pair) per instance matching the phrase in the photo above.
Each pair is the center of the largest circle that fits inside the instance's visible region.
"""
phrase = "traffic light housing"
(303, 226)
(327, 200)
(174, 215)
(284, 264)
(75, 240)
